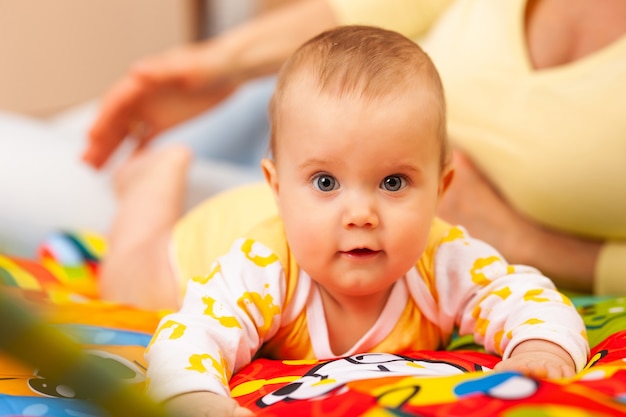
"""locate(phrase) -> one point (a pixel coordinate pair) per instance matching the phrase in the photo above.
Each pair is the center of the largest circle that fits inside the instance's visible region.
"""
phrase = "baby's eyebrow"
(314, 162)
(398, 168)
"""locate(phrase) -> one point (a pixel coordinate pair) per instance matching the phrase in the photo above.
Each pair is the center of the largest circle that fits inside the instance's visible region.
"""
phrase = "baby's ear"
(271, 176)
(447, 175)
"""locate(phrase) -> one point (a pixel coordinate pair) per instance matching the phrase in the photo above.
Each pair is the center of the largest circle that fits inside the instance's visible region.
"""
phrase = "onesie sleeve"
(225, 318)
(410, 17)
(503, 305)
(610, 276)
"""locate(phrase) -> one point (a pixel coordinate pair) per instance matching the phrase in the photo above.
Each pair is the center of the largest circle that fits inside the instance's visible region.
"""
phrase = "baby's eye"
(325, 182)
(393, 183)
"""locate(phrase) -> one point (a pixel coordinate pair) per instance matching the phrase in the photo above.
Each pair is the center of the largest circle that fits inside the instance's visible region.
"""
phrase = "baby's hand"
(539, 359)
(205, 404)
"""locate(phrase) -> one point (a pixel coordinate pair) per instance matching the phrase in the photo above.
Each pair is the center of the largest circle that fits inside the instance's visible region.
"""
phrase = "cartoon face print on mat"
(127, 371)
(337, 373)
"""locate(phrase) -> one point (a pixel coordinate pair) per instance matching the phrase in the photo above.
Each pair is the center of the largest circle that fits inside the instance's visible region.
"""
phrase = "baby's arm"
(205, 404)
(225, 318)
(512, 310)
(540, 359)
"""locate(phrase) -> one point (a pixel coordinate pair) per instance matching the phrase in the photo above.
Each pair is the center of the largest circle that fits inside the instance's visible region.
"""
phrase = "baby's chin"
(360, 288)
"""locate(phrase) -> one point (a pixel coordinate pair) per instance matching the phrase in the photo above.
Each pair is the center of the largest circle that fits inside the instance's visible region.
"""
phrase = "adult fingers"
(118, 117)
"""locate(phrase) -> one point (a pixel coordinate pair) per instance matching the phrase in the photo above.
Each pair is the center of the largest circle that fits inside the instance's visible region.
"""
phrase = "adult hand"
(157, 93)
(162, 91)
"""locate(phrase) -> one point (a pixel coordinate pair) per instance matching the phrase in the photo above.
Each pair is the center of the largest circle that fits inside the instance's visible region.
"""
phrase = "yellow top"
(552, 141)
(529, 131)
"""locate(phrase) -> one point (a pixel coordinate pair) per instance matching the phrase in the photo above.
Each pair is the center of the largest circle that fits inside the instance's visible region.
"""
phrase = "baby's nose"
(361, 212)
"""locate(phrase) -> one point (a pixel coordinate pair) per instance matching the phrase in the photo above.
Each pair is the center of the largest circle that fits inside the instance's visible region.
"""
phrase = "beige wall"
(55, 54)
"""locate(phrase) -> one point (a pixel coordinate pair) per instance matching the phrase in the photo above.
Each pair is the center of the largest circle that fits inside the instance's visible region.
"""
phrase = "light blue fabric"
(237, 131)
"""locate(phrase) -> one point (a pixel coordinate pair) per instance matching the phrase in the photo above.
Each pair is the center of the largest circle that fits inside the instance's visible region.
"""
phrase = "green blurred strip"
(29, 339)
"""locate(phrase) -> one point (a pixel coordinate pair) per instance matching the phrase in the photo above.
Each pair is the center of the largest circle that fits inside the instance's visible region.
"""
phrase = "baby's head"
(359, 157)
(362, 63)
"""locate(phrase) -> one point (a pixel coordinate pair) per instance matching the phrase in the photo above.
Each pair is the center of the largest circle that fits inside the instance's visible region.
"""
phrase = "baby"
(356, 261)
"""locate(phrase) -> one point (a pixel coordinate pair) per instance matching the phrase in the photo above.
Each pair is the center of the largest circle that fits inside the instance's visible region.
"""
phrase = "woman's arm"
(166, 89)
(471, 201)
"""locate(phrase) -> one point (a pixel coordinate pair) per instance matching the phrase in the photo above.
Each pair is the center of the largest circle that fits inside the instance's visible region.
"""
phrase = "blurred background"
(58, 55)
(57, 58)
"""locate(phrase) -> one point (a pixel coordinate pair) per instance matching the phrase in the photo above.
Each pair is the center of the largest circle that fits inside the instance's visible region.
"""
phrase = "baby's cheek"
(307, 243)
(410, 241)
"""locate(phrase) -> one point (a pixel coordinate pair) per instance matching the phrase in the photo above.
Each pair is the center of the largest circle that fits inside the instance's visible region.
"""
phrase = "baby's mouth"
(361, 252)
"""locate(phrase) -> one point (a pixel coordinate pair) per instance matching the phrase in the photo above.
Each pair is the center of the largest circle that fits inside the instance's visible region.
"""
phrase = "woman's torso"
(536, 97)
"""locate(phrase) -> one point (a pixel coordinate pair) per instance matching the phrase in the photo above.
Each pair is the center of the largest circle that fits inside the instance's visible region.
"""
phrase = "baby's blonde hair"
(364, 62)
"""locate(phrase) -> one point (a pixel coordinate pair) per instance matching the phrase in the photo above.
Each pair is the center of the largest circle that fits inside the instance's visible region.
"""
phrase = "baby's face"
(357, 185)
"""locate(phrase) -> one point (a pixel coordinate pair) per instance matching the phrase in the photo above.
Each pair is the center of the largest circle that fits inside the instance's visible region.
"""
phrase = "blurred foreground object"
(40, 345)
